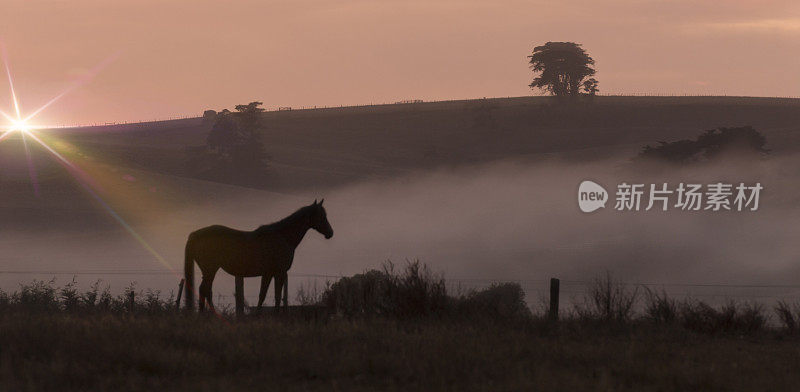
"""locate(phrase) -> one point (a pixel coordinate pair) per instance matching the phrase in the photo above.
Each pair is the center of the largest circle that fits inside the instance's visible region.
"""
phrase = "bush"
(310, 296)
(789, 316)
(659, 307)
(38, 295)
(45, 296)
(5, 300)
(500, 301)
(608, 300)
(732, 317)
(414, 292)
(70, 300)
(709, 145)
(90, 297)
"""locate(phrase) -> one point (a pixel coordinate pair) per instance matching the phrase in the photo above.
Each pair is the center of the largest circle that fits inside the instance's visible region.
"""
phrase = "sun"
(15, 125)
(21, 126)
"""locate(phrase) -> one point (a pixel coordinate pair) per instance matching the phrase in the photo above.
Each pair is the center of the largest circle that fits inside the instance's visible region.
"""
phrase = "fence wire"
(536, 290)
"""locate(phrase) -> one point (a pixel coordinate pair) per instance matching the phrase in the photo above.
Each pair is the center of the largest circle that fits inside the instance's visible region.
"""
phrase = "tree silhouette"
(591, 86)
(711, 144)
(233, 147)
(249, 151)
(224, 133)
(562, 68)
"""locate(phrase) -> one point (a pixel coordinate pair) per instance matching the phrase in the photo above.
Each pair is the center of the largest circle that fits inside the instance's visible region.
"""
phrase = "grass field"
(62, 351)
(393, 331)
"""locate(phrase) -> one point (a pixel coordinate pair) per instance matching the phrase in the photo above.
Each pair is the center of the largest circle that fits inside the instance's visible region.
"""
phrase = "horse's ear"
(321, 201)
(315, 202)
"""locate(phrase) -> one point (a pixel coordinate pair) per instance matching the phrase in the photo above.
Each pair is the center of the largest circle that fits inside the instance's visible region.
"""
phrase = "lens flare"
(21, 124)
(11, 82)
(31, 167)
(85, 182)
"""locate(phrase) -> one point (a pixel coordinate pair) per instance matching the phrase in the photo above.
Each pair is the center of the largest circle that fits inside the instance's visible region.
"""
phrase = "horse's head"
(319, 220)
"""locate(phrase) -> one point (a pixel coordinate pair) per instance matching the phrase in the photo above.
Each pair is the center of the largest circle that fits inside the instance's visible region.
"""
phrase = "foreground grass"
(173, 351)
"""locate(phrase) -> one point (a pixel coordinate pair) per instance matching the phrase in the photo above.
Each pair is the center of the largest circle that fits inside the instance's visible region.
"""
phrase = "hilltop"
(313, 149)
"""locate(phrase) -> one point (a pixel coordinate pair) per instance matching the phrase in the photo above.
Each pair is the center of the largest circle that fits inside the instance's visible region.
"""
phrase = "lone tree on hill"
(591, 86)
(562, 68)
(234, 145)
(249, 152)
(224, 133)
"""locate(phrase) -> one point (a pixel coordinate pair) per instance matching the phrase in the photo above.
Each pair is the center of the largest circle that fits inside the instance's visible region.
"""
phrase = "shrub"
(732, 317)
(38, 295)
(89, 298)
(5, 300)
(310, 296)
(709, 145)
(789, 316)
(608, 300)
(659, 307)
(45, 296)
(70, 300)
(153, 303)
(414, 292)
(500, 301)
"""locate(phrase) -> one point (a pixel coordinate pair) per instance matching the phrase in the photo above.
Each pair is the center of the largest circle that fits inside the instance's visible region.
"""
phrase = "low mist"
(507, 221)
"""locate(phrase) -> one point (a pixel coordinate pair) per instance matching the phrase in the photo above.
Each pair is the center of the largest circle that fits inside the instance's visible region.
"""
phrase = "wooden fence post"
(180, 291)
(554, 286)
(239, 296)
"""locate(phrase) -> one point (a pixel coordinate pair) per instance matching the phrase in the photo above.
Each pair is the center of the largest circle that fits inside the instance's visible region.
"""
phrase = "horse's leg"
(202, 299)
(205, 290)
(286, 289)
(279, 282)
(205, 293)
(239, 295)
(262, 294)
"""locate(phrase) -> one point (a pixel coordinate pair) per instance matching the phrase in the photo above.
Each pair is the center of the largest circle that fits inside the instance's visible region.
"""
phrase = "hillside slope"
(318, 148)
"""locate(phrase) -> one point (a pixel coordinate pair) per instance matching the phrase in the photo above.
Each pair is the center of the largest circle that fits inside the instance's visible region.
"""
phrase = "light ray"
(31, 167)
(80, 176)
(8, 117)
(21, 125)
(84, 180)
(11, 82)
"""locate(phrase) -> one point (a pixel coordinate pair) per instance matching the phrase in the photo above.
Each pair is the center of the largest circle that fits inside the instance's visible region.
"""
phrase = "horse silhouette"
(267, 251)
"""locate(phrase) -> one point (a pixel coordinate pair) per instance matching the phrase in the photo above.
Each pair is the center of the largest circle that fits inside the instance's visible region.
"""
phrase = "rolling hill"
(314, 149)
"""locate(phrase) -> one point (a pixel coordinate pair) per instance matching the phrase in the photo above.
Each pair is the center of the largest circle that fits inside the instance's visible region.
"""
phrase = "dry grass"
(57, 338)
(170, 351)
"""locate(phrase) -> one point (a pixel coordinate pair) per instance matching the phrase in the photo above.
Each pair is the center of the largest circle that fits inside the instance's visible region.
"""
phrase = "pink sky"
(179, 57)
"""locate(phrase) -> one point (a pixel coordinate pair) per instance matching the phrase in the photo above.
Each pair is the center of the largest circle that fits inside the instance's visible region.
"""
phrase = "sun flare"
(21, 126)
(17, 121)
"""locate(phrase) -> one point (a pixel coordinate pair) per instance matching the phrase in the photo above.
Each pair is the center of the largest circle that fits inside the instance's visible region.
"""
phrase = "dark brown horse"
(267, 251)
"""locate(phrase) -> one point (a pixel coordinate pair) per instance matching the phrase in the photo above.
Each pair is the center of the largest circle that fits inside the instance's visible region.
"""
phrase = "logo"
(591, 196)
(714, 197)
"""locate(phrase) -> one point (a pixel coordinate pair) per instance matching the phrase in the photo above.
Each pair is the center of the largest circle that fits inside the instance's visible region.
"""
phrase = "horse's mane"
(285, 221)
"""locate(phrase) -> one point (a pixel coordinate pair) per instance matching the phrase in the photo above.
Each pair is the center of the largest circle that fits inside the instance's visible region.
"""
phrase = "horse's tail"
(188, 271)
